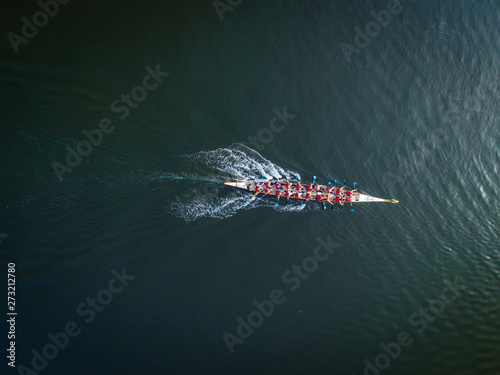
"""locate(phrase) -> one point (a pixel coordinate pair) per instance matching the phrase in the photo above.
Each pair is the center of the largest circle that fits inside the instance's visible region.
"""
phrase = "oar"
(305, 200)
(277, 200)
(331, 203)
(288, 192)
(355, 189)
(263, 195)
(343, 192)
(255, 195)
(257, 191)
(313, 181)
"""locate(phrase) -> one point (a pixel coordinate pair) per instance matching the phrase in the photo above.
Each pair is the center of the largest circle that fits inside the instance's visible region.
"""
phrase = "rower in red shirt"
(297, 194)
(298, 186)
(287, 195)
(308, 195)
(308, 188)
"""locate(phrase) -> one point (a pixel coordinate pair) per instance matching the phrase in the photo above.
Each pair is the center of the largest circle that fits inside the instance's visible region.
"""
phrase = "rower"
(321, 199)
(308, 187)
(266, 191)
(297, 194)
(277, 184)
(298, 186)
(308, 196)
(278, 194)
(287, 195)
(267, 184)
(287, 185)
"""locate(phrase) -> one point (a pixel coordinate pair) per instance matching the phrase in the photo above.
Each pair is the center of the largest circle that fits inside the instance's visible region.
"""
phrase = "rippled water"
(413, 117)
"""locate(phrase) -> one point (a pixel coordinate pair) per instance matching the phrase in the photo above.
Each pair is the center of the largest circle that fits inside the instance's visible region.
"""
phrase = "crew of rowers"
(308, 192)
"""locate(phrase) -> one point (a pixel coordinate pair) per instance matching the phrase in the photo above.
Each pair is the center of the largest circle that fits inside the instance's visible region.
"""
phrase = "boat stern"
(238, 184)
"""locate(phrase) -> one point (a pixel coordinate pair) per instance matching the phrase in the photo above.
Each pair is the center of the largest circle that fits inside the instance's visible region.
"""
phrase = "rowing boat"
(295, 190)
(308, 192)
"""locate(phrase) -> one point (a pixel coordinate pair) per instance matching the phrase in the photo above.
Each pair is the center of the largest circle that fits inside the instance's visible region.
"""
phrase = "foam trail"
(237, 161)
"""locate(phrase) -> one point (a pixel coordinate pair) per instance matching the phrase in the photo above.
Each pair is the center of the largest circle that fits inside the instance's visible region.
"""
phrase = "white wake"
(207, 199)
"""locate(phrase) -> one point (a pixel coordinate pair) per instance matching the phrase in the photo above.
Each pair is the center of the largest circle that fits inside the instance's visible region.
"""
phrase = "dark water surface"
(413, 116)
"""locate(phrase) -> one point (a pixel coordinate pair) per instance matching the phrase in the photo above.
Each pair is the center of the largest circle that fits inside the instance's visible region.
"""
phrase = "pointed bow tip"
(394, 201)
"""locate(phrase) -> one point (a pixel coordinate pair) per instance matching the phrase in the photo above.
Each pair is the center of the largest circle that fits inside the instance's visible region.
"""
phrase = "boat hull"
(326, 194)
